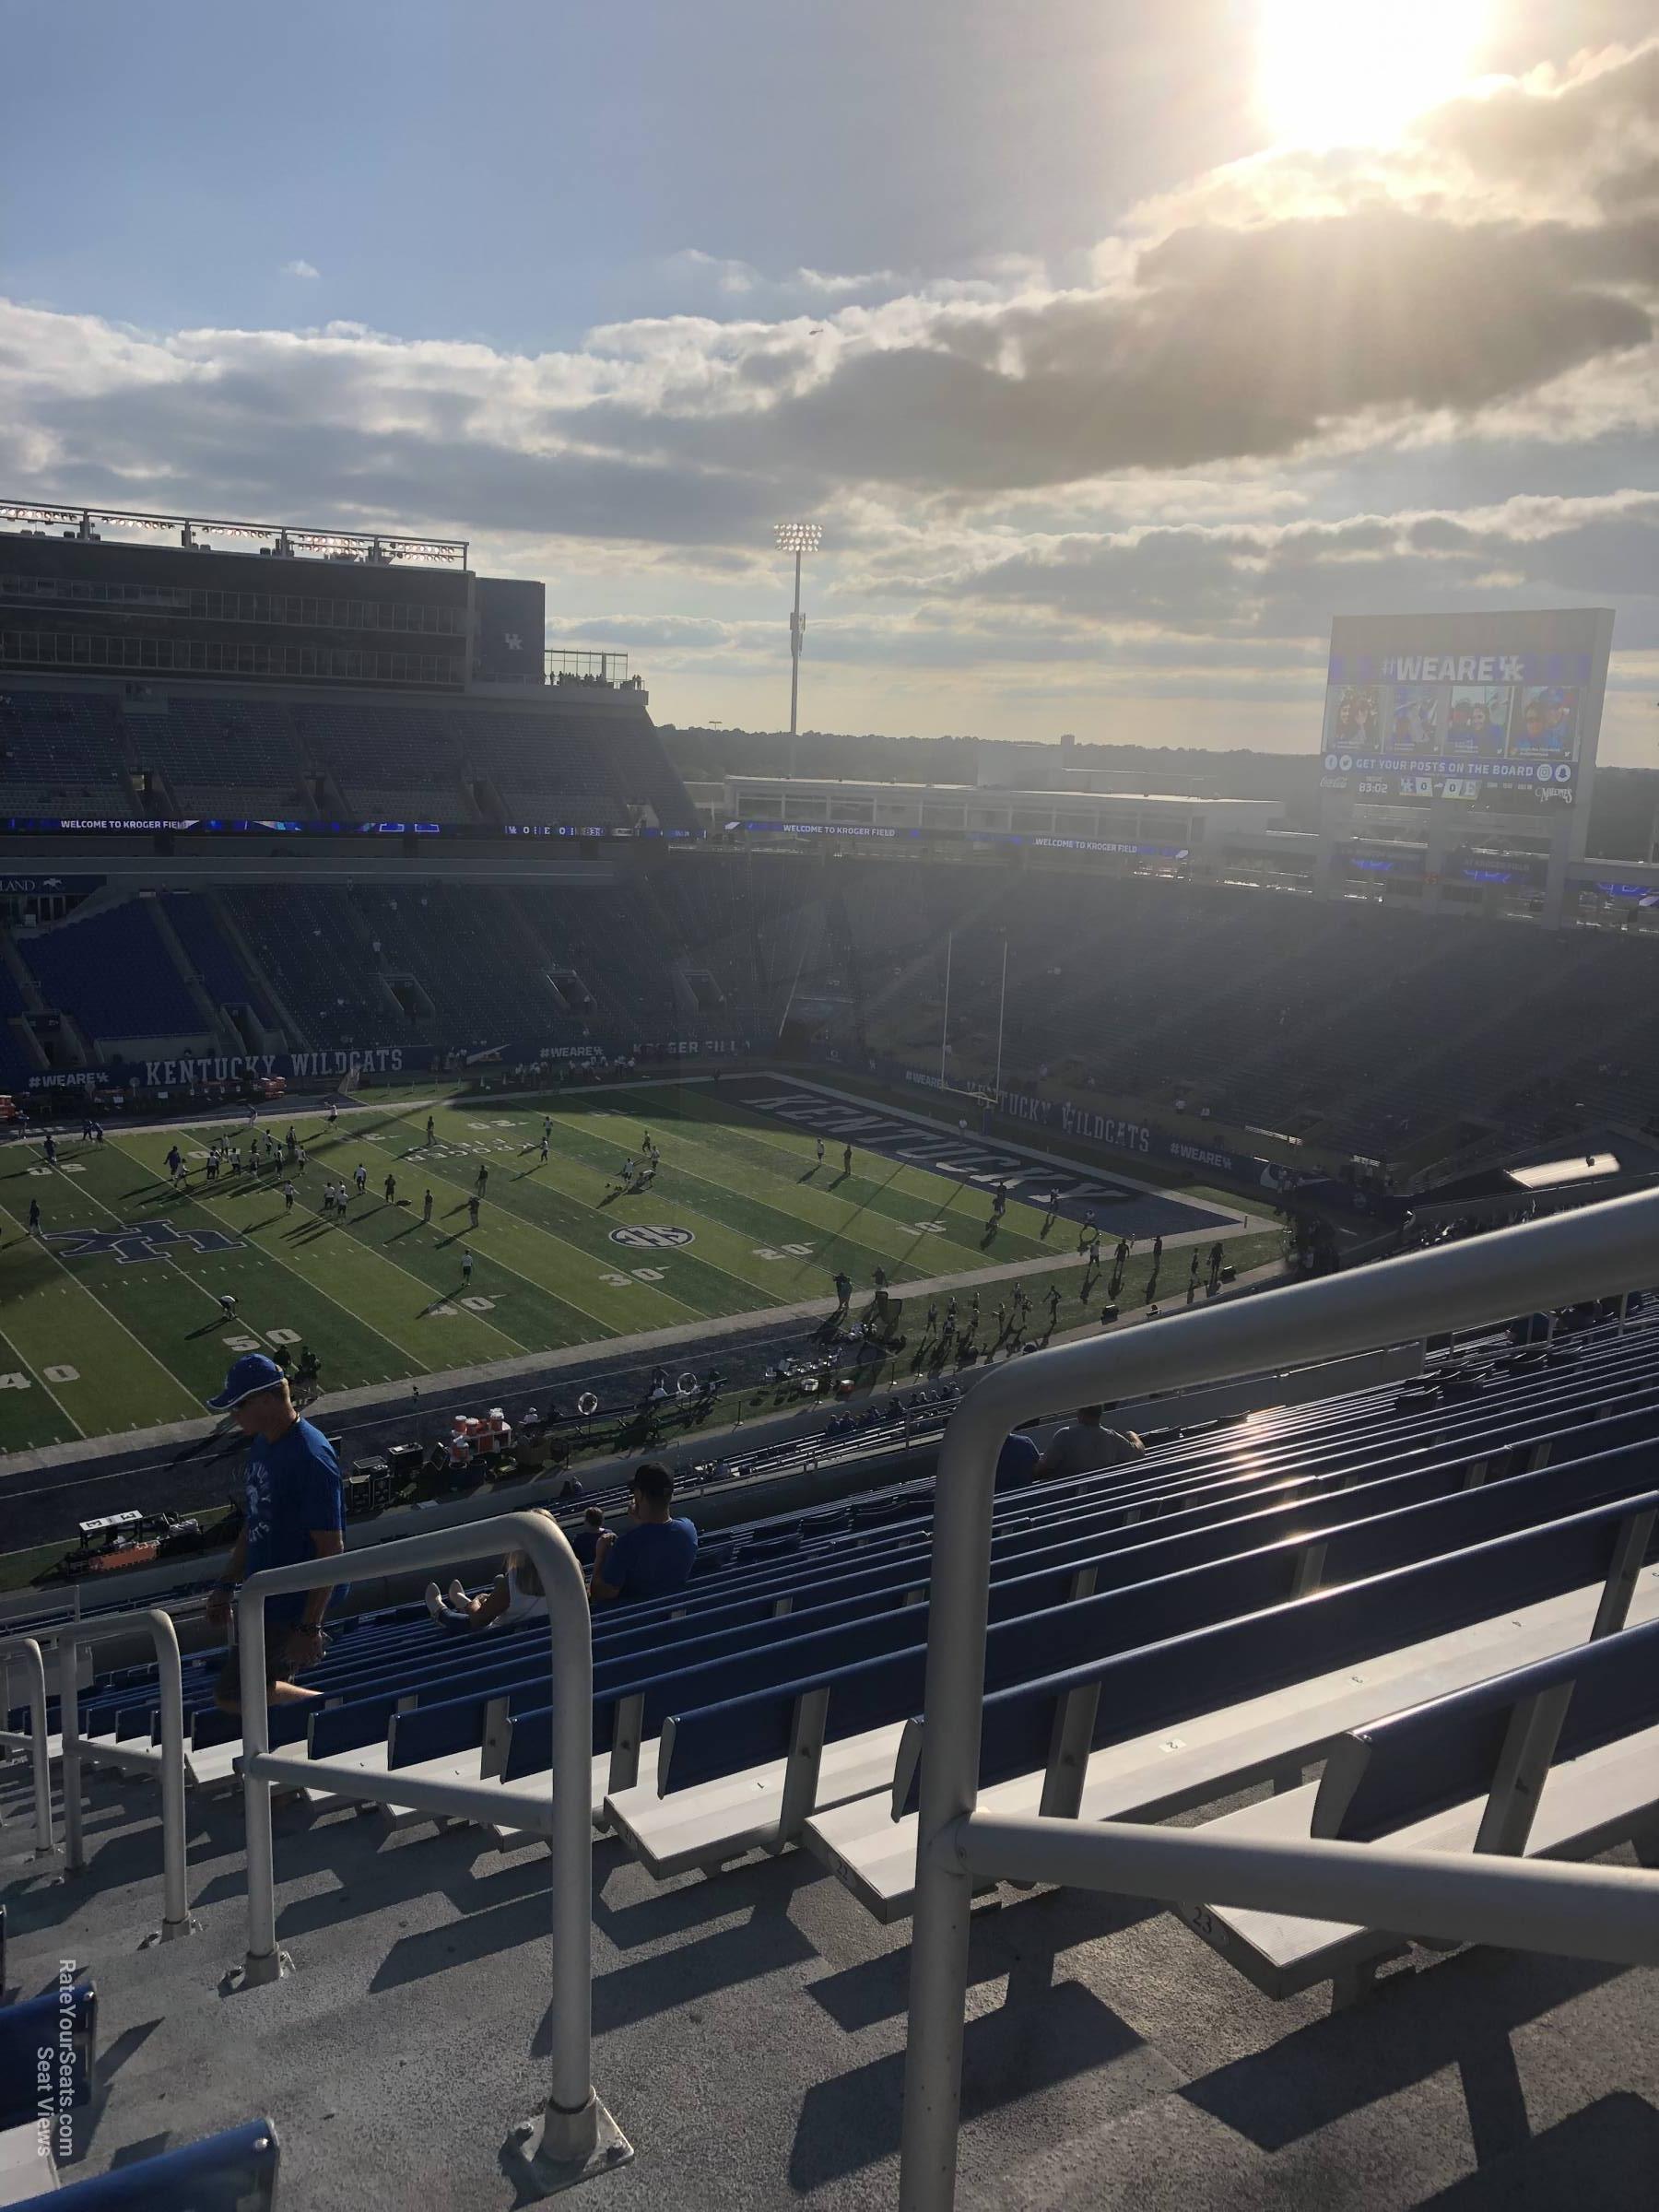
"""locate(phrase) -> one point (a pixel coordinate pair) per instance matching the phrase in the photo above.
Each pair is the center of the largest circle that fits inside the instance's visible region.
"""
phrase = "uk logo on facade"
(651, 1236)
(143, 1240)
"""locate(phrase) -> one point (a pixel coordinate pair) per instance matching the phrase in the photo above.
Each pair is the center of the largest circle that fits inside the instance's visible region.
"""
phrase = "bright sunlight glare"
(1354, 72)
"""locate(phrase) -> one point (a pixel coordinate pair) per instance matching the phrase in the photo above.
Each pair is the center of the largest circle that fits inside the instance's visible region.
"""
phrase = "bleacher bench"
(1559, 1759)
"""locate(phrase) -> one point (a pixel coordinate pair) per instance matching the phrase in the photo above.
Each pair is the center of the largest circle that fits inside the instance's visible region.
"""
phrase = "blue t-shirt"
(651, 1559)
(1017, 1462)
(293, 1485)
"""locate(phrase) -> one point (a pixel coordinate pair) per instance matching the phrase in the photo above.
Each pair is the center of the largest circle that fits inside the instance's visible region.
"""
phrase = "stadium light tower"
(796, 538)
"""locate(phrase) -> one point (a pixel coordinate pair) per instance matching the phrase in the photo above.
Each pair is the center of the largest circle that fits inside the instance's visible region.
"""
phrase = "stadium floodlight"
(796, 538)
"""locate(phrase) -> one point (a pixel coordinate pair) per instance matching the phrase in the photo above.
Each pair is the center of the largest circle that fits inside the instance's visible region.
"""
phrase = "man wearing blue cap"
(293, 1513)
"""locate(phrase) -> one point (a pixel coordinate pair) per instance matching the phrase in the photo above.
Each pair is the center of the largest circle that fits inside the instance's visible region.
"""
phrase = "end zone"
(1120, 1202)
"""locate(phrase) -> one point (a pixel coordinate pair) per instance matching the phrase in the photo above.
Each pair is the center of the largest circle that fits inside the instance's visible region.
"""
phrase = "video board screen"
(1496, 712)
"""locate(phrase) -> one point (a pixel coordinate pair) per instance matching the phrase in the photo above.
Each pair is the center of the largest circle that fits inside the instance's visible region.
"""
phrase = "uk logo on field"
(650, 1236)
(143, 1240)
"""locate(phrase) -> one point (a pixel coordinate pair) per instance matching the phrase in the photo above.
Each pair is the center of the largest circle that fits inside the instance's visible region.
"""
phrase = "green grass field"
(91, 1343)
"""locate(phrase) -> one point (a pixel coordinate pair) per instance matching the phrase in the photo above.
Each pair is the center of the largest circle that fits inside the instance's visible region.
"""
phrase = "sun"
(1354, 72)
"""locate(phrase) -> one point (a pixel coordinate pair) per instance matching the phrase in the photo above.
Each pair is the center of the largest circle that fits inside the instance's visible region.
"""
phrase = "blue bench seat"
(1401, 1560)
(1210, 1754)
(1556, 1759)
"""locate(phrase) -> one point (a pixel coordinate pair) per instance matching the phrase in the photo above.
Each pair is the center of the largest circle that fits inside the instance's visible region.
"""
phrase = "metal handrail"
(1599, 1250)
(26, 1649)
(169, 1763)
(1605, 1912)
(573, 2133)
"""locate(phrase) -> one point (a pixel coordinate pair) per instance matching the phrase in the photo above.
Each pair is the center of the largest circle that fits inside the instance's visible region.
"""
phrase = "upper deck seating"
(461, 947)
(60, 756)
(115, 974)
(1206, 993)
(15, 1062)
(211, 953)
(319, 958)
(227, 759)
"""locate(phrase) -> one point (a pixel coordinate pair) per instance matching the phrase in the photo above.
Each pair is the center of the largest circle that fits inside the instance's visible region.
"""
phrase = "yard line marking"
(155, 1359)
(437, 1296)
(248, 1243)
(846, 1232)
(584, 1259)
(46, 1386)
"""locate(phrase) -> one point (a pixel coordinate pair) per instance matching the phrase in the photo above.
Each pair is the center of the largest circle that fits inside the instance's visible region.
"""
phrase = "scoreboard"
(1498, 713)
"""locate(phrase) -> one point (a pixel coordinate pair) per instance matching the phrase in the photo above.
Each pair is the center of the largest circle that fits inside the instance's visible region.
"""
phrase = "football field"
(111, 1318)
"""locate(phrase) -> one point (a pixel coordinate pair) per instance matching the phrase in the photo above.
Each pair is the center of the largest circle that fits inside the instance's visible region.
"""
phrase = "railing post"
(28, 1650)
(956, 1682)
(574, 2136)
(175, 1906)
(264, 1961)
(75, 1846)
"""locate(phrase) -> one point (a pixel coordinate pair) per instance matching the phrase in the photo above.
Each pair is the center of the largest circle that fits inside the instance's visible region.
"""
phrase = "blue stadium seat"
(62, 2023)
(115, 974)
(235, 2171)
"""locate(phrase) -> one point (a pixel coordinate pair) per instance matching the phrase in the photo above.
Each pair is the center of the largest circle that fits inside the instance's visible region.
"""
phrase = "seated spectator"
(652, 1556)
(1017, 1462)
(585, 1542)
(515, 1595)
(1084, 1445)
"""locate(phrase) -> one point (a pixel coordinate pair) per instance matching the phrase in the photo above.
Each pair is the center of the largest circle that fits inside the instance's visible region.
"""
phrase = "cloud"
(841, 287)
(733, 277)
(300, 269)
(1235, 583)
(1255, 320)
(1231, 344)
(1302, 384)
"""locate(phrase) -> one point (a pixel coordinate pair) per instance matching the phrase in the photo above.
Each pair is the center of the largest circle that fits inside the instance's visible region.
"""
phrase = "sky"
(1115, 346)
